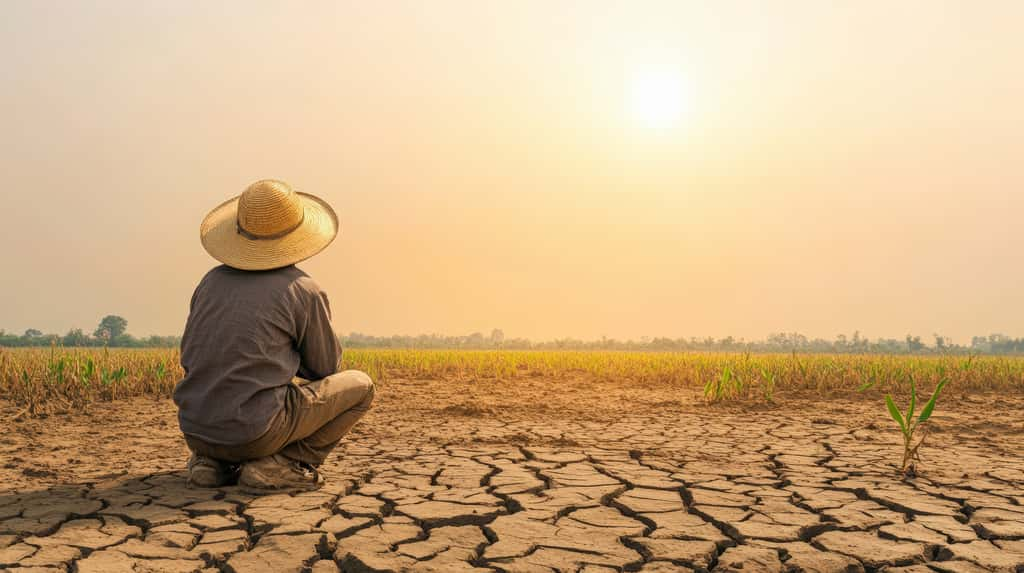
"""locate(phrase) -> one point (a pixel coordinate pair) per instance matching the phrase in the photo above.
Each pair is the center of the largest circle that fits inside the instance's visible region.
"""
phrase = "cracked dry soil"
(532, 475)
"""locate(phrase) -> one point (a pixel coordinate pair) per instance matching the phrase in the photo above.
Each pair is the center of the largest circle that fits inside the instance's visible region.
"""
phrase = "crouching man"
(262, 399)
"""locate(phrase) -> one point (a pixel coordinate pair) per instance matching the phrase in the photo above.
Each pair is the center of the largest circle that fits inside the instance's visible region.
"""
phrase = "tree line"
(113, 331)
(776, 342)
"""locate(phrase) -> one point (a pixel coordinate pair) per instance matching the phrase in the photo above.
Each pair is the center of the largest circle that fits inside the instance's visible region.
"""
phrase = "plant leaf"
(927, 411)
(895, 413)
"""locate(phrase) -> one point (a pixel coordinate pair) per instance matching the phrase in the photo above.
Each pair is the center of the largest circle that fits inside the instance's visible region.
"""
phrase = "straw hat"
(268, 226)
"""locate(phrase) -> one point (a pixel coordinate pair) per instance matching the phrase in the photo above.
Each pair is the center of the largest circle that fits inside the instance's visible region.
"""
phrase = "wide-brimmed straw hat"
(268, 226)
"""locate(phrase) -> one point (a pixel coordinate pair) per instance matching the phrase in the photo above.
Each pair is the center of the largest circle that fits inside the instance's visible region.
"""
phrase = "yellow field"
(43, 379)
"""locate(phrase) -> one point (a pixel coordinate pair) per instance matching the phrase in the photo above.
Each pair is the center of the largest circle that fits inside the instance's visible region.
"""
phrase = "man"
(256, 323)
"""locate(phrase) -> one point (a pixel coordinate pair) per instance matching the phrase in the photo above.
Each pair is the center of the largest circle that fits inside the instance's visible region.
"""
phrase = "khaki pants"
(316, 415)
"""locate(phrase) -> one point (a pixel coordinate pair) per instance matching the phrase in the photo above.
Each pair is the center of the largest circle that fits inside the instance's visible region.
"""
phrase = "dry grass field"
(55, 379)
(532, 461)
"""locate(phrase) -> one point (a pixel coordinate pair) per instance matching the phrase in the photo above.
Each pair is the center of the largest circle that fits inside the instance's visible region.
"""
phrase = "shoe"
(208, 472)
(277, 472)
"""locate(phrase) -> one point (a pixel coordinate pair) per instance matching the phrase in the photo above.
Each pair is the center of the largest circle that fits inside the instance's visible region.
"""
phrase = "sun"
(658, 98)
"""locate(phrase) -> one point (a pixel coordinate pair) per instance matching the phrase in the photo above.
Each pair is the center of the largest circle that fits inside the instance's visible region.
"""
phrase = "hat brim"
(221, 238)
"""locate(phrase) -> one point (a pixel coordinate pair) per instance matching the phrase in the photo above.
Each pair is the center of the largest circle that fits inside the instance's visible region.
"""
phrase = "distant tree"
(33, 333)
(111, 327)
(914, 343)
(124, 340)
(497, 337)
(75, 337)
(857, 344)
(841, 341)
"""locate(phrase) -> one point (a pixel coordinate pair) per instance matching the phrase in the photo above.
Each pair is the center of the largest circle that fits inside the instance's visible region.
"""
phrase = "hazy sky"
(550, 168)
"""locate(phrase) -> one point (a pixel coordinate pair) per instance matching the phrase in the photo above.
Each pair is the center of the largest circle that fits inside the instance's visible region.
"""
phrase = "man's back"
(248, 334)
(255, 324)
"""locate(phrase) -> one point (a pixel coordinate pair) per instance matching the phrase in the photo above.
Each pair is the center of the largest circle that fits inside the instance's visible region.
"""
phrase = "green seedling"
(914, 433)
(768, 379)
(727, 385)
(89, 370)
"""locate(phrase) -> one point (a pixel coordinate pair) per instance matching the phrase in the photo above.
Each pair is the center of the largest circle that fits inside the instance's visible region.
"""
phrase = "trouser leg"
(326, 410)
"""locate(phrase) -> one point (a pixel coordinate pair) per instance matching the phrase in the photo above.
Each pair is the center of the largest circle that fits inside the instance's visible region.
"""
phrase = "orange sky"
(835, 166)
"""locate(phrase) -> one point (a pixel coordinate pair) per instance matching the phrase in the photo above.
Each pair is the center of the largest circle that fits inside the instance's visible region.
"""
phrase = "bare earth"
(532, 476)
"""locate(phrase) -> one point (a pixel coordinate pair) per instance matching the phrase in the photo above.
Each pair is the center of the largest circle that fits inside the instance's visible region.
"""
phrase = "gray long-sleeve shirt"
(248, 334)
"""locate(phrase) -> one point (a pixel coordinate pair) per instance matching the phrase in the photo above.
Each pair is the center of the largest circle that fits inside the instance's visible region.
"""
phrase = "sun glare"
(658, 98)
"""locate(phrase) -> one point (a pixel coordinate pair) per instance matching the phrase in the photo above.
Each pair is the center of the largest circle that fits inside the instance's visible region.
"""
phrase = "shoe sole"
(244, 484)
(205, 479)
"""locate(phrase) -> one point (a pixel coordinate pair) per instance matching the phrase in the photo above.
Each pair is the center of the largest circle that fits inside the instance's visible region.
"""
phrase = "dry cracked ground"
(532, 476)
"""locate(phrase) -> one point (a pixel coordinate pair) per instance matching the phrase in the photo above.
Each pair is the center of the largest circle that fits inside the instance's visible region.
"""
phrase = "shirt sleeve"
(319, 349)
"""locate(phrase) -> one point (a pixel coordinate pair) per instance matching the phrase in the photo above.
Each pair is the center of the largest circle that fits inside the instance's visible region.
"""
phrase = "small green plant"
(768, 380)
(89, 370)
(911, 427)
(729, 385)
(718, 388)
